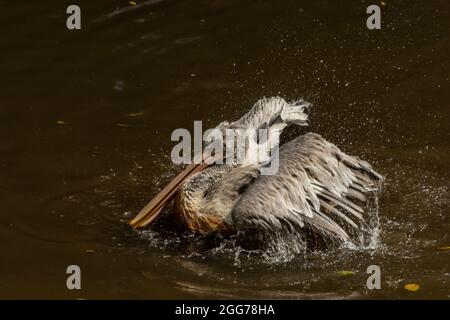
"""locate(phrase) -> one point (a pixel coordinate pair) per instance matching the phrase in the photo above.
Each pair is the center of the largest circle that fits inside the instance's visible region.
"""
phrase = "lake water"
(86, 118)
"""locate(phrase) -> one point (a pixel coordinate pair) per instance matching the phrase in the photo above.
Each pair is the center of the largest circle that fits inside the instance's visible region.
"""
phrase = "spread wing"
(275, 110)
(274, 113)
(318, 190)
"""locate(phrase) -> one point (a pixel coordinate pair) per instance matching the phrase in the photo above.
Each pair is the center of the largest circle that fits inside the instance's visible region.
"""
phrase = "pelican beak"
(155, 206)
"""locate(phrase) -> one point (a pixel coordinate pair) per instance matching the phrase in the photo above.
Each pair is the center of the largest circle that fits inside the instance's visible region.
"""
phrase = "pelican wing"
(318, 188)
(274, 112)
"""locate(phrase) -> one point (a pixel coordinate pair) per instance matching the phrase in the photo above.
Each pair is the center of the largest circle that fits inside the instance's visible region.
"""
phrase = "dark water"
(86, 118)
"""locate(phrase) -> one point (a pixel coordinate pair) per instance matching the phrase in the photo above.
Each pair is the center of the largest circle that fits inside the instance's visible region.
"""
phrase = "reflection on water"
(87, 117)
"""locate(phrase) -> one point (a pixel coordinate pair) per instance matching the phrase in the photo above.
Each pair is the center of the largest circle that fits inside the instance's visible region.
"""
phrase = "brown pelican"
(319, 192)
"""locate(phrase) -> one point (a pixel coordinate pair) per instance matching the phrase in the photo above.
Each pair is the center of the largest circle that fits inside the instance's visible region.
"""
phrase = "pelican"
(319, 193)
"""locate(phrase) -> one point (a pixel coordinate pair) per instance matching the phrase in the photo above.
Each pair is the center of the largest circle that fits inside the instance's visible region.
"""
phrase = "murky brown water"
(86, 119)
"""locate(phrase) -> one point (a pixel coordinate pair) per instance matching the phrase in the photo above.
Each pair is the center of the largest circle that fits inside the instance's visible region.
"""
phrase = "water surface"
(86, 118)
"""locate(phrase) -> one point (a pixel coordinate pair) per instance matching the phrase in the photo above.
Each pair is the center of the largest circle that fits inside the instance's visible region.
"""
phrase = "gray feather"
(314, 175)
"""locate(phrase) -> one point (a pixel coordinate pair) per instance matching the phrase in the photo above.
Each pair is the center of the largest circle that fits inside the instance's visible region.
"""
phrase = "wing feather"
(317, 188)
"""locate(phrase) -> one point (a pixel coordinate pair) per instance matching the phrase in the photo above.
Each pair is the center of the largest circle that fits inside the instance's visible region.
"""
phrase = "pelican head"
(272, 113)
